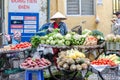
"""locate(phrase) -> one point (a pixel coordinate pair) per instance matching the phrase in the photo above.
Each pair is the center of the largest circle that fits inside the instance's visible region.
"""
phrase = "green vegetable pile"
(71, 38)
(55, 38)
(86, 32)
(97, 34)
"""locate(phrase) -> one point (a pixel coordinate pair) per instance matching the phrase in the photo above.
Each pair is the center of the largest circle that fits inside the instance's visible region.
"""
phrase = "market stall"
(87, 43)
(107, 65)
(9, 54)
(73, 54)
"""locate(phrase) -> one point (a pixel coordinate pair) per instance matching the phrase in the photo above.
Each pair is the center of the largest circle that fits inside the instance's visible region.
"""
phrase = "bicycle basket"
(77, 29)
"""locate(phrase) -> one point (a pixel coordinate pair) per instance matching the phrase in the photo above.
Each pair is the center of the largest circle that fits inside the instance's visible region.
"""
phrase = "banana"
(114, 58)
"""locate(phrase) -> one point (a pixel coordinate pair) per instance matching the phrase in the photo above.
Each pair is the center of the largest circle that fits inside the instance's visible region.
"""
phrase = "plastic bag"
(40, 49)
(8, 37)
(44, 50)
(48, 50)
(36, 55)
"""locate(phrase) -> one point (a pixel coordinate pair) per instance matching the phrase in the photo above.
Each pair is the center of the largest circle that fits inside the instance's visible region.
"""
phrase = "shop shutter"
(73, 7)
(87, 7)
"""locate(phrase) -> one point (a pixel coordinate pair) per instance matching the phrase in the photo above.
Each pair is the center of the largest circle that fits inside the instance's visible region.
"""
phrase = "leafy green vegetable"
(97, 33)
(55, 38)
(56, 30)
(86, 32)
(35, 41)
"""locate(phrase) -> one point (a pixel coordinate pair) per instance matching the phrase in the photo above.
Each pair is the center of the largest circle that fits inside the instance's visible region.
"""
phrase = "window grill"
(73, 7)
(116, 6)
(80, 7)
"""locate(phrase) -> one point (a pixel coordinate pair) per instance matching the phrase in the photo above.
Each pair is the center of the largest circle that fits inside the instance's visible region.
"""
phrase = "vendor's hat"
(58, 15)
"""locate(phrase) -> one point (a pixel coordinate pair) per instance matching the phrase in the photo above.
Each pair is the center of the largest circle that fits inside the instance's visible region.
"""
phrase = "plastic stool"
(28, 74)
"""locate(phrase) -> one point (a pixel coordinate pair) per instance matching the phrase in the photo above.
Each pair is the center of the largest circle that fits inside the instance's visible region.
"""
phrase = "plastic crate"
(110, 45)
(117, 45)
(113, 45)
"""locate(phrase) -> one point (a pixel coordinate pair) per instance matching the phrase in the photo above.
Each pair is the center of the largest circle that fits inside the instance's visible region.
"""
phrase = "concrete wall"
(104, 12)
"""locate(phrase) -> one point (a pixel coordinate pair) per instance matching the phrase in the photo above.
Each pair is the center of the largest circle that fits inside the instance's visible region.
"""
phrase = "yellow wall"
(104, 12)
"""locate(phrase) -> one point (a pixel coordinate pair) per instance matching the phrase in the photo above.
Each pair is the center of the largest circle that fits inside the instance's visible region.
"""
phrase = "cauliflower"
(110, 37)
(60, 43)
(44, 37)
(76, 37)
(42, 41)
(68, 36)
(50, 38)
(86, 32)
(48, 41)
(118, 38)
(58, 36)
(52, 42)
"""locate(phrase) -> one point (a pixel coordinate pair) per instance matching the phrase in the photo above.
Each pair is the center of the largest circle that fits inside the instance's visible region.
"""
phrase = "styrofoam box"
(117, 45)
(113, 45)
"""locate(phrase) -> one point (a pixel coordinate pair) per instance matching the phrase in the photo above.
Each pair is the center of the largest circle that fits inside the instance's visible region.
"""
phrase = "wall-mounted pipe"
(48, 10)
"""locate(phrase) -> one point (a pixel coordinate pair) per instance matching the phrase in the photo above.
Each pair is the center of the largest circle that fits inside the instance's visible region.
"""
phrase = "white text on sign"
(24, 1)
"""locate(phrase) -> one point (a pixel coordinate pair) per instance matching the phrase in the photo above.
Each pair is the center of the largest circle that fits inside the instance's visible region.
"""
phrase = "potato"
(73, 67)
(66, 66)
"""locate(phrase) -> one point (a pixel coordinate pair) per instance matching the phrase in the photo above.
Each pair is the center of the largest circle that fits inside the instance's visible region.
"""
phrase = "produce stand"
(112, 43)
(112, 47)
(109, 73)
(86, 43)
(35, 65)
(86, 49)
(7, 57)
(99, 48)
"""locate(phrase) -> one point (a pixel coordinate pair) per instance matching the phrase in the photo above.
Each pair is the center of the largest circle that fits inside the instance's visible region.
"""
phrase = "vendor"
(57, 18)
(15, 39)
(116, 24)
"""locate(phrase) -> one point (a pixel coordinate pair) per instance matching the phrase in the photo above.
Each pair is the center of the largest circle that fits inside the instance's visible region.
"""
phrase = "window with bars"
(116, 6)
(80, 7)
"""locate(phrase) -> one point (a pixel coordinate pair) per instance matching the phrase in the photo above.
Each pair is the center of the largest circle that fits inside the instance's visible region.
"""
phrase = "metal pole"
(48, 10)
(2, 21)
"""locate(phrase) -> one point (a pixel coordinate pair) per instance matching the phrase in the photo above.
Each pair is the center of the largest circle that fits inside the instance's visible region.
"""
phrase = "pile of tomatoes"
(103, 62)
(22, 45)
